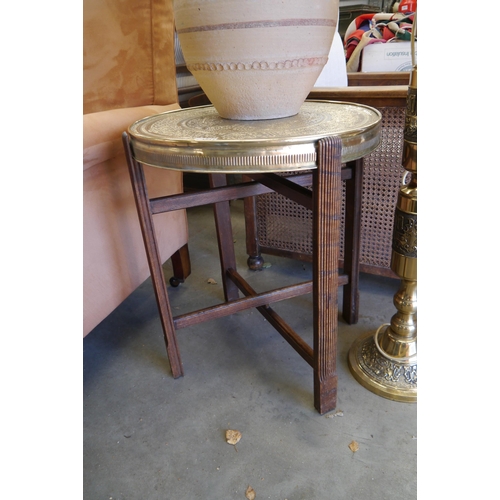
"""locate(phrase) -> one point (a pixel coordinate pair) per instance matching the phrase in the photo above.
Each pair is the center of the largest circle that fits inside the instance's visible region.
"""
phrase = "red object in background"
(407, 6)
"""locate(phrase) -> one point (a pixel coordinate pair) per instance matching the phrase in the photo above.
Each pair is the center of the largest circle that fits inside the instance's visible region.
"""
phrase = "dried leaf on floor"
(233, 437)
(338, 413)
(211, 281)
(354, 446)
(250, 493)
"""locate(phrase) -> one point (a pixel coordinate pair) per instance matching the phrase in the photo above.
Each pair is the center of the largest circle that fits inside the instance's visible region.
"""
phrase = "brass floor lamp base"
(386, 362)
(381, 374)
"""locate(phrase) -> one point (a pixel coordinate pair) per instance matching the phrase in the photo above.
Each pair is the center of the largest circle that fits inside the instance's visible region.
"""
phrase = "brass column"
(386, 362)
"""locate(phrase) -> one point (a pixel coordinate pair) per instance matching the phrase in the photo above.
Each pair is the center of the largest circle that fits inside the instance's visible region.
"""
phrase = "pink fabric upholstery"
(129, 73)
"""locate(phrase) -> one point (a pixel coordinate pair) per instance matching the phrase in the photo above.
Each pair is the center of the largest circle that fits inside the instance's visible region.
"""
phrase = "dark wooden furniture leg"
(255, 261)
(222, 213)
(352, 241)
(327, 193)
(147, 227)
(181, 264)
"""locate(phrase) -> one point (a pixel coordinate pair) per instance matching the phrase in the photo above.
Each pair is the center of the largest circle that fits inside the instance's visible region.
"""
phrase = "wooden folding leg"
(352, 242)
(225, 238)
(326, 228)
(153, 255)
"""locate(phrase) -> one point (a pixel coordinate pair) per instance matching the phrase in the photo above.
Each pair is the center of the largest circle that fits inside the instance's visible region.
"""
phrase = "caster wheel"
(255, 263)
(175, 282)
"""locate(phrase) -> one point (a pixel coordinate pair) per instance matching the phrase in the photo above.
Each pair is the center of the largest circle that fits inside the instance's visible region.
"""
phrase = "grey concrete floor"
(148, 436)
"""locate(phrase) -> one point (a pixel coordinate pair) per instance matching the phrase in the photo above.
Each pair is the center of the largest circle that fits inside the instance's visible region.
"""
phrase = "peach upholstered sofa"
(129, 73)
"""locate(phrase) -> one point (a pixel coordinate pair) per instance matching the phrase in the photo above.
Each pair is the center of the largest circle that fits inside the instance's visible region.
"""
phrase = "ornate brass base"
(381, 374)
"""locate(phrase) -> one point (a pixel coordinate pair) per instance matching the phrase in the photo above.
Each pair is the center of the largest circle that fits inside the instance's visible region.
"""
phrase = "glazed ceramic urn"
(256, 59)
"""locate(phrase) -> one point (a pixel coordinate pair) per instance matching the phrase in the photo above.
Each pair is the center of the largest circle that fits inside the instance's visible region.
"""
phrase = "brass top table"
(319, 139)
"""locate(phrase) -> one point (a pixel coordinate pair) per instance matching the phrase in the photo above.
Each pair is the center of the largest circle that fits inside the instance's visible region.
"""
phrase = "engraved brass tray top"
(199, 140)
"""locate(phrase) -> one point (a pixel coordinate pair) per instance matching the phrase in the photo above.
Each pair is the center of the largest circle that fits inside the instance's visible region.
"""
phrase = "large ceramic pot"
(256, 59)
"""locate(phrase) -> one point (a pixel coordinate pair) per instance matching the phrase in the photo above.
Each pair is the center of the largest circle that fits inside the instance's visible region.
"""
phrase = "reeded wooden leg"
(352, 242)
(181, 264)
(326, 229)
(225, 239)
(147, 227)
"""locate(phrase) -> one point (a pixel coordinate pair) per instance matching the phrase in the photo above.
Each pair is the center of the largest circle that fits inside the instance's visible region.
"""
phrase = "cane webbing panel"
(283, 225)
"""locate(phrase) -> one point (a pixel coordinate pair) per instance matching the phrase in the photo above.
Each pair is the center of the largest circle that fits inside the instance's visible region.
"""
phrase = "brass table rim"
(250, 145)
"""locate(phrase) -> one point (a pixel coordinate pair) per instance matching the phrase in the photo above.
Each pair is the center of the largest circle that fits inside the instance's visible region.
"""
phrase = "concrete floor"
(147, 436)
